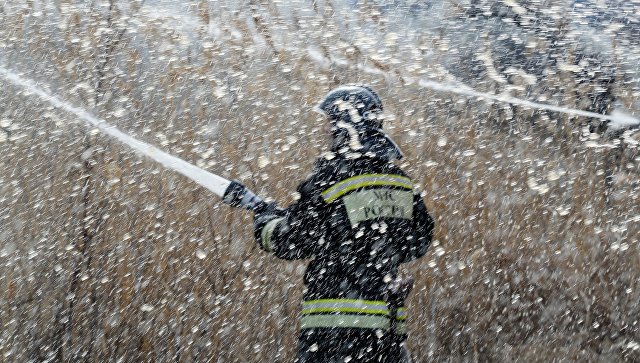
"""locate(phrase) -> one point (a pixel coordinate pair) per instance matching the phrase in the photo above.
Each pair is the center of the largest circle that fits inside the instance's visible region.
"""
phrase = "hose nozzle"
(238, 195)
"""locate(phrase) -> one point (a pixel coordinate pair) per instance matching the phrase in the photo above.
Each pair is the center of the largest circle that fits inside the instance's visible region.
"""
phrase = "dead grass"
(107, 257)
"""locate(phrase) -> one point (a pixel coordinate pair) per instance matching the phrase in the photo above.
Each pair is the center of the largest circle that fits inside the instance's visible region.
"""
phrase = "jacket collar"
(350, 143)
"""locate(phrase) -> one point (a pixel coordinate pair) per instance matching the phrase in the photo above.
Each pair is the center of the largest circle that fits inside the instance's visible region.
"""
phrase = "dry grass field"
(107, 257)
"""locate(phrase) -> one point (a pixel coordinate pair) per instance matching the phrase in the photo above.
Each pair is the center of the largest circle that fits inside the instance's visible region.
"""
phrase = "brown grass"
(107, 257)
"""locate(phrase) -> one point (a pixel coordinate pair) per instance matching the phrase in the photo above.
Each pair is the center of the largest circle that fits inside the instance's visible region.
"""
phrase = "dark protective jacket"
(357, 219)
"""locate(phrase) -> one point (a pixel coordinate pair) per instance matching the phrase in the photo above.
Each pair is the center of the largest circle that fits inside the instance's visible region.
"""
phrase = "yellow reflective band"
(402, 314)
(341, 306)
(344, 321)
(360, 181)
(345, 306)
(267, 231)
(339, 301)
(346, 310)
(349, 321)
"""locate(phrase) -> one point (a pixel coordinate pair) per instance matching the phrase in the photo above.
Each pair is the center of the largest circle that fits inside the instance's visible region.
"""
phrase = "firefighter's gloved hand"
(267, 212)
(261, 226)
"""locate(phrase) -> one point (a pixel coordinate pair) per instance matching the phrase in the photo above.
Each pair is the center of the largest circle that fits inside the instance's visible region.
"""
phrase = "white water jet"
(615, 118)
(214, 183)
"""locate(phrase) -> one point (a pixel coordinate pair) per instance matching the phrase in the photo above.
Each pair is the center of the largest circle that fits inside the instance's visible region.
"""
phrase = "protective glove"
(266, 213)
(262, 217)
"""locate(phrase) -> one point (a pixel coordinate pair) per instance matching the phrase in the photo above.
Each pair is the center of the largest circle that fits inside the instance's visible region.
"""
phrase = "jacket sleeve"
(423, 226)
(295, 232)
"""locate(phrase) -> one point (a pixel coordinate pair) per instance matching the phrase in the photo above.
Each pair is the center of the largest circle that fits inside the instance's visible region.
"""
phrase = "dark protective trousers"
(341, 345)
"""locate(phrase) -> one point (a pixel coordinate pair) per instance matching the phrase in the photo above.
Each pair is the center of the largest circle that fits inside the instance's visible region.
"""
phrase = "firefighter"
(359, 216)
